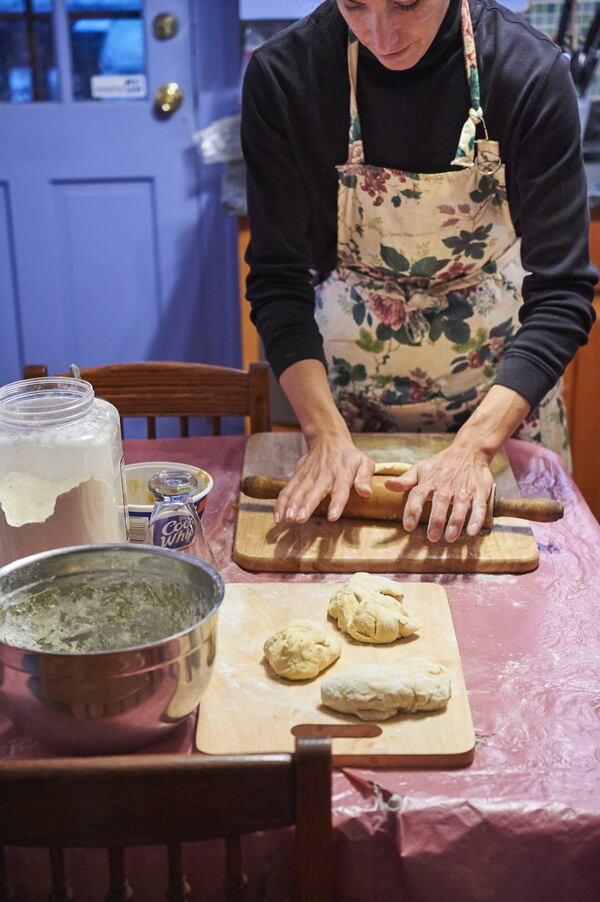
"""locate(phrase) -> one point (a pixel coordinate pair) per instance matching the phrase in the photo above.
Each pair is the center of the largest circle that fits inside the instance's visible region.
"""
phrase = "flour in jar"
(38, 514)
(26, 498)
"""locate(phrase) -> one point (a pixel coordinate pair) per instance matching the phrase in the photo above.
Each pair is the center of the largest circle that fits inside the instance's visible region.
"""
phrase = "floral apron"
(426, 293)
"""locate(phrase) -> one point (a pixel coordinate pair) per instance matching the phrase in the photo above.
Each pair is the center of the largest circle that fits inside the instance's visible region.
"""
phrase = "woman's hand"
(332, 465)
(457, 480)
(459, 477)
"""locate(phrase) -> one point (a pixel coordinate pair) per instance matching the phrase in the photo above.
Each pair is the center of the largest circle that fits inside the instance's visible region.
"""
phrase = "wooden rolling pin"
(384, 504)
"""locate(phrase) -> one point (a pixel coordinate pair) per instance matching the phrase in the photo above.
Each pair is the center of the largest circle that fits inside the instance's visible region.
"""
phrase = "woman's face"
(397, 32)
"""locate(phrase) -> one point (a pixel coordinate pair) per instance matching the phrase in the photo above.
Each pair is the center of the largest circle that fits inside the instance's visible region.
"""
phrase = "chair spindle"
(179, 890)
(6, 891)
(235, 879)
(60, 890)
(119, 889)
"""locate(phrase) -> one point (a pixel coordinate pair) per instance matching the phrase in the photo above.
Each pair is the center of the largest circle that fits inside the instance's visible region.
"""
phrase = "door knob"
(168, 98)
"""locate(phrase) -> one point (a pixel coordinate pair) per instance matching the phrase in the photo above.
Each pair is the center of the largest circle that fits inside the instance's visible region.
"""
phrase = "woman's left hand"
(457, 480)
(459, 477)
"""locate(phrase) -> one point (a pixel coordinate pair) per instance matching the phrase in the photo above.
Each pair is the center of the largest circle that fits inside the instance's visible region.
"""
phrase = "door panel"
(108, 265)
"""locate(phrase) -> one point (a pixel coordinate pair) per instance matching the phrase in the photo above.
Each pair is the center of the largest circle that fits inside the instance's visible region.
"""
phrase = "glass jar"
(61, 468)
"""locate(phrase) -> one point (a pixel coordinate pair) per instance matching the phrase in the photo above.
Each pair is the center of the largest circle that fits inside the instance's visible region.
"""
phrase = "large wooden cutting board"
(247, 709)
(350, 545)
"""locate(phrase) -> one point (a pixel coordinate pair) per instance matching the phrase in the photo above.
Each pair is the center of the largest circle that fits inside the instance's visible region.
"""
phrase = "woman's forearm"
(332, 464)
(305, 384)
(500, 413)
(307, 389)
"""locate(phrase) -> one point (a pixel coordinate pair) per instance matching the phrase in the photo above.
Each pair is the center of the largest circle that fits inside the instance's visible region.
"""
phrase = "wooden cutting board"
(247, 709)
(350, 545)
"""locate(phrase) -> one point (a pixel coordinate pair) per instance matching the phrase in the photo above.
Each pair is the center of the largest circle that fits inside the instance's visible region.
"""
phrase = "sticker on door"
(118, 86)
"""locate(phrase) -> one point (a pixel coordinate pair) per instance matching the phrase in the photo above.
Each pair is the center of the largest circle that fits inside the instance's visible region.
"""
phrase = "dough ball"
(302, 650)
(378, 692)
(370, 608)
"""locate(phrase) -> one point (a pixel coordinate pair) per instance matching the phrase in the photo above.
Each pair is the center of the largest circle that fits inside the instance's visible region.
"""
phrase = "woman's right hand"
(333, 465)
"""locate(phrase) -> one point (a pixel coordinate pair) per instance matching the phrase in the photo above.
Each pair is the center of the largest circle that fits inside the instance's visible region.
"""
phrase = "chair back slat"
(165, 389)
(136, 799)
(178, 890)
(184, 427)
(60, 891)
(260, 405)
(151, 427)
(119, 889)
(216, 425)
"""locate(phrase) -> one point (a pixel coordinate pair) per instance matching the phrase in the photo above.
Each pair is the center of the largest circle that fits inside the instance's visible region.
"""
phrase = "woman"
(453, 129)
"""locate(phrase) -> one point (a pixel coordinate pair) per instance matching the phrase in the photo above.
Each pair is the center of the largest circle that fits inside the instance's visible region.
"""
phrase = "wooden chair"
(180, 390)
(116, 802)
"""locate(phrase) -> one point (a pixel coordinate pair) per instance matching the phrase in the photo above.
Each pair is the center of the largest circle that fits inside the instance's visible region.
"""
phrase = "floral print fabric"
(425, 298)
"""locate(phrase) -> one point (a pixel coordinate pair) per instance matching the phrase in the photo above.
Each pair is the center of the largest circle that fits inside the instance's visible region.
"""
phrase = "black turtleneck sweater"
(295, 119)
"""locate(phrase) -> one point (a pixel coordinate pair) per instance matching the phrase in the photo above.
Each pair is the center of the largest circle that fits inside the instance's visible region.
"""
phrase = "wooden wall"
(582, 397)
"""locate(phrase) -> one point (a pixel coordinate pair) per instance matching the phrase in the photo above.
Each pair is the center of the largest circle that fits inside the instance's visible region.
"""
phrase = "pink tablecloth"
(523, 821)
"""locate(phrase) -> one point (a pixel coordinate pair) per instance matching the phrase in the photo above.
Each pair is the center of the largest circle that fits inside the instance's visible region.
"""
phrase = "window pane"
(103, 5)
(12, 6)
(105, 47)
(23, 78)
(42, 6)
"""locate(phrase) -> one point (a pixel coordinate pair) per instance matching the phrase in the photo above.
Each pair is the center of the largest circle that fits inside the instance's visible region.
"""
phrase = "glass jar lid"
(47, 401)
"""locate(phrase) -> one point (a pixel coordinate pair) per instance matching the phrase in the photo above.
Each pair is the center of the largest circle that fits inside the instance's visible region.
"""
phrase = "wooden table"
(523, 821)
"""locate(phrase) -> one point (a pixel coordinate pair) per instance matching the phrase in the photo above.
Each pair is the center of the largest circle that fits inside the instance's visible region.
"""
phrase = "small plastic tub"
(140, 500)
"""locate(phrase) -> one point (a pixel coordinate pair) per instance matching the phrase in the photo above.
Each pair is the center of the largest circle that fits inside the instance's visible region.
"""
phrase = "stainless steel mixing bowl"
(118, 701)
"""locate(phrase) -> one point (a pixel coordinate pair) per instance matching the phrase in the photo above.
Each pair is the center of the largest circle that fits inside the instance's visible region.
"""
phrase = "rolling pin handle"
(262, 486)
(540, 510)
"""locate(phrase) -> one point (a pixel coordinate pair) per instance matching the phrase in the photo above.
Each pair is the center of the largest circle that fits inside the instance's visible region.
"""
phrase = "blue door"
(113, 246)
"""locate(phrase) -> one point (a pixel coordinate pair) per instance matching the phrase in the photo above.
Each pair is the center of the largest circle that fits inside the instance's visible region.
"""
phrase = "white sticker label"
(115, 86)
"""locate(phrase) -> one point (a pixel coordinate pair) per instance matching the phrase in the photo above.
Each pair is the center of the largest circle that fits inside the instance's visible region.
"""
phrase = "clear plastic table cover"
(523, 820)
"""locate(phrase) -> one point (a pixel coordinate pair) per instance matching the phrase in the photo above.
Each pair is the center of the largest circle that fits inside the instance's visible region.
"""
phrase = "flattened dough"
(393, 468)
(370, 608)
(302, 650)
(378, 692)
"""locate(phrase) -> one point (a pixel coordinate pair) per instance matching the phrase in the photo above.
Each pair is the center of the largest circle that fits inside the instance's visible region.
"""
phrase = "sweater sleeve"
(557, 311)
(279, 283)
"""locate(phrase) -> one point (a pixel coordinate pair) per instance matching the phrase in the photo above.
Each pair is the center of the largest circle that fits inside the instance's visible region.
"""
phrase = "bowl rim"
(127, 547)
(162, 464)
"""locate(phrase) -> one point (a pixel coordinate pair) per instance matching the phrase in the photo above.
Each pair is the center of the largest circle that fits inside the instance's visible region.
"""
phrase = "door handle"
(168, 98)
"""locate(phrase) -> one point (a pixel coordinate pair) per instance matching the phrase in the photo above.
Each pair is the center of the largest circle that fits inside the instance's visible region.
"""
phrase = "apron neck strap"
(356, 152)
(465, 153)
